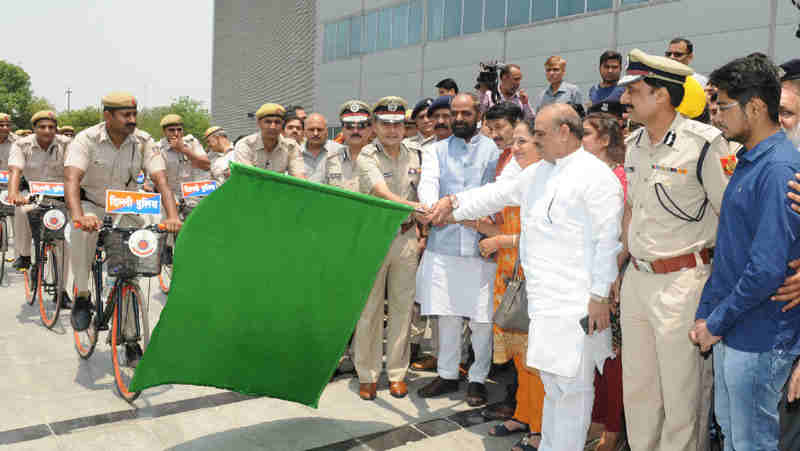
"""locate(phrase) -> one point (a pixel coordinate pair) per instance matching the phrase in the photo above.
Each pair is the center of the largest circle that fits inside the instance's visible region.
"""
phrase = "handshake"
(441, 213)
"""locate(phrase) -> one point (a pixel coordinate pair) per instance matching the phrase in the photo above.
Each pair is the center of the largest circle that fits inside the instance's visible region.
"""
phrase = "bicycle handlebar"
(161, 227)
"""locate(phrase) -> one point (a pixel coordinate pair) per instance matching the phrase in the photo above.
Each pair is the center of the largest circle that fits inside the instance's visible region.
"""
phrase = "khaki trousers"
(22, 231)
(425, 328)
(398, 274)
(666, 382)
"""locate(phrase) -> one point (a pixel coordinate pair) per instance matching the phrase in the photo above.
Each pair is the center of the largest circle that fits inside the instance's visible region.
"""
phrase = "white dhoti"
(452, 288)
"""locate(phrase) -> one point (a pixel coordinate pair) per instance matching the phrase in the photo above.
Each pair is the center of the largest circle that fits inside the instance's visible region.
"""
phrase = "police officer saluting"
(186, 160)
(676, 178)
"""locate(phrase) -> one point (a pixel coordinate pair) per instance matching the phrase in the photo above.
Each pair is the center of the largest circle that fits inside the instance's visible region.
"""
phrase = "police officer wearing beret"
(439, 113)
(424, 123)
(220, 152)
(6, 139)
(389, 168)
(676, 178)
(267, 148)
(186, 160)
(109, 155)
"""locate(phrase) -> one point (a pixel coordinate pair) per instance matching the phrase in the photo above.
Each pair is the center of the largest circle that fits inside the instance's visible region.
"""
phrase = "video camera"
(490, 75)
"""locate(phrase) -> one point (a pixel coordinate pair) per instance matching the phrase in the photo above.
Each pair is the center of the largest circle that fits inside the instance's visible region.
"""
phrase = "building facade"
(324, 52)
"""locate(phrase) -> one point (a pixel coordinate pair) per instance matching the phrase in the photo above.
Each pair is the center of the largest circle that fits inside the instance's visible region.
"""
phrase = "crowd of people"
(655, 212)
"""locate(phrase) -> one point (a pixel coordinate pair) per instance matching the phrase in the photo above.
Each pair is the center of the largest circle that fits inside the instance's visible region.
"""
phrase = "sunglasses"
(357, 125)
(675, 54)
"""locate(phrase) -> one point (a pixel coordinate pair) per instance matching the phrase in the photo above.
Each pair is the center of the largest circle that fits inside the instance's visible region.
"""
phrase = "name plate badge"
(4, 177)
(51, 189)
(198, 189)
(132, 202)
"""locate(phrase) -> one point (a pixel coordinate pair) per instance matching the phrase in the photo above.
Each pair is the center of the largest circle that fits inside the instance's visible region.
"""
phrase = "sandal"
(524, 443)
(501, 430)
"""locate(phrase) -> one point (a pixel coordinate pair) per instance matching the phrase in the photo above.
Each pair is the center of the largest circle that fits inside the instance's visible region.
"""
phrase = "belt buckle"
(643, 265)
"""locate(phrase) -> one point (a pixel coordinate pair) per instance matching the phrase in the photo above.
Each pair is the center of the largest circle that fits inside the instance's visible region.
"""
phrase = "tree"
(81, 119)
(15, 93)
(195, 118)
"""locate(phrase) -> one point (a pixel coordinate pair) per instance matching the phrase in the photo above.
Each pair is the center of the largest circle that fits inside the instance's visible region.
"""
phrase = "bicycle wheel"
(85, 341)
(48, 286)
(165, 278)
(130, 325)
(3, 249)
(31, 281)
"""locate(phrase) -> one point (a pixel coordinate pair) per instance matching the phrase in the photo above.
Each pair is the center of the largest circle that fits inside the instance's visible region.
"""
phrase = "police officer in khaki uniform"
(23, 132)
(67, 130)
(109, 155)
(389, 168)
(220, 152)
(268, 149)
(424, 123)
(6, 139)
(40, 158)
(340, 167)
(676, 179)
(186, 160)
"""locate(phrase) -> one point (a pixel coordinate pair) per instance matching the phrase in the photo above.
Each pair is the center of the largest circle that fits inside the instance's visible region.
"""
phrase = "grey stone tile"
(432, 428)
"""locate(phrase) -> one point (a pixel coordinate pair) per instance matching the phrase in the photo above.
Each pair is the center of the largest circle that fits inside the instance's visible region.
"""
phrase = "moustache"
(355, 135)
(442, 126)
(131, 124)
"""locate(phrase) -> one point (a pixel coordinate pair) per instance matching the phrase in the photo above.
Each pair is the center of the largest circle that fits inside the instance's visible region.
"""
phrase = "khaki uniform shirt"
(106, 167)
(662, 176)
(340, 170)
(284, 157)
(5, 151)
(400, 174)
(179, 166)
(37, 164)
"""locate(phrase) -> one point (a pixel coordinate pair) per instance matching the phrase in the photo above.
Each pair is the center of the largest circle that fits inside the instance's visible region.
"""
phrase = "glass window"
(372, 32)
(355, 34)
(519, 12)
(414, 22)
(597, 5)
(435, 19)
(330, 42)
(400, 26)
(473, 16)
(342, 37)
(452, 18)
(384, 29)
(570, 7)
(631, 2)
(495, 14)
(544, 9)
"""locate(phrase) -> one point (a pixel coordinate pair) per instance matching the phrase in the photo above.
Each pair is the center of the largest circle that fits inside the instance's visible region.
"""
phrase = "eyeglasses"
(726, 106)
(675, 54)
(357, 125)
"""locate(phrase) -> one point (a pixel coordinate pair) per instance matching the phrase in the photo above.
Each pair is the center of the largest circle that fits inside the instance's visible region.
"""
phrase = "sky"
(155, 49)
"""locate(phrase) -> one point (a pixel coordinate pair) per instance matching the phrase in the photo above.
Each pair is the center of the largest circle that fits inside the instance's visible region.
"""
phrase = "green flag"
(271, 275)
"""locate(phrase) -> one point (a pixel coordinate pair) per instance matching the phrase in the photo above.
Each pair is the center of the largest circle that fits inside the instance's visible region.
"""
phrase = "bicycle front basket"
(122, 261)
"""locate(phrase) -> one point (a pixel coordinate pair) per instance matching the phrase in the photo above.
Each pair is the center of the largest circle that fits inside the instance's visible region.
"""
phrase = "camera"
(490, 75)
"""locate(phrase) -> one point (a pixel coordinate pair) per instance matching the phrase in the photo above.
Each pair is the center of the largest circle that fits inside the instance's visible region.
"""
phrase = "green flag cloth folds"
(270, 276)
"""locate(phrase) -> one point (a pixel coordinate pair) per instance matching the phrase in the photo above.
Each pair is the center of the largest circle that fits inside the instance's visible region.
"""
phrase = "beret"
(67, 127)
(211, 130)
(641, 65)
(421, 105)
(4, 117)
(171, 119)
(440, 102)
(791, 70)
(270, 109)
(119, 100)
(45, 114)
(607, 106)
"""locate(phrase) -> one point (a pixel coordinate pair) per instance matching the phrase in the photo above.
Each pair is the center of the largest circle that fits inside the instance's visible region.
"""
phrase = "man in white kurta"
(571, 210)
(453, 280)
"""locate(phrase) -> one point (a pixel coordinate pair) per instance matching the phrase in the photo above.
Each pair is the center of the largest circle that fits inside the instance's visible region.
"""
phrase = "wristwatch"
(453, 201)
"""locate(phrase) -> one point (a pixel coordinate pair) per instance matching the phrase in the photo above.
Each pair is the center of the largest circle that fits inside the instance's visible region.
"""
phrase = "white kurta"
(447, 284)
(571, 214)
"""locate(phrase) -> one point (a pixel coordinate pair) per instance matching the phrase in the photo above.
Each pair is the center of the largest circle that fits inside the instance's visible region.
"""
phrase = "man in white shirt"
(571, 211)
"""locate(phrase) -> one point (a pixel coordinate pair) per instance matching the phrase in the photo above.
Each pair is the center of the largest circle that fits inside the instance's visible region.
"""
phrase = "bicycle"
(165, 276)
(127, 252)
(48, 220)
(6, 211)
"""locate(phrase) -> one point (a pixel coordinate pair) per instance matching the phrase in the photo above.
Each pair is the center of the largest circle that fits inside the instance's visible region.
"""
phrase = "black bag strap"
(700, 160)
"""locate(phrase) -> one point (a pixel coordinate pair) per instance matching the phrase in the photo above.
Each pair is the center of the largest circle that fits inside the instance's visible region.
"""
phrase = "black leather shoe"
(81, 313)
(438, 387)
(22, 262)
(133, 354)
(476, 394)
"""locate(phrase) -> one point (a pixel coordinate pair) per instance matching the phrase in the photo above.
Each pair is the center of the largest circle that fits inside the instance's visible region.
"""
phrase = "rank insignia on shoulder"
(387, 174)
(728, 164)
(669, 139)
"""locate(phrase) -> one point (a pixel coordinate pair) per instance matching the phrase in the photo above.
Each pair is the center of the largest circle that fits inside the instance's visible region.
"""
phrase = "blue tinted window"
(415, 22)
(495, 14)
(519, 12)
(631, 2)
(330, 42)
(544, 9)
(597, 5)
(343, 35)
(435, 19)
(372, 32)
(473, 16)
(355, 34)
(452, 18)
(570, 7)
(384, 29)
(400, 26)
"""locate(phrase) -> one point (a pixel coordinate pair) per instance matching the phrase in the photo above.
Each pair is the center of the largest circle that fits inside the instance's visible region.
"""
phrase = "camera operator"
(508, 89)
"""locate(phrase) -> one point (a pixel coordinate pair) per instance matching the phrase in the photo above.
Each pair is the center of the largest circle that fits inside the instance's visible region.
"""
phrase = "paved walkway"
(52, 400)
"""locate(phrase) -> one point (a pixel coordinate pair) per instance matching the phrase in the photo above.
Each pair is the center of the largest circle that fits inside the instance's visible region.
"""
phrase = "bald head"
(316, 130)
(558, 131)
